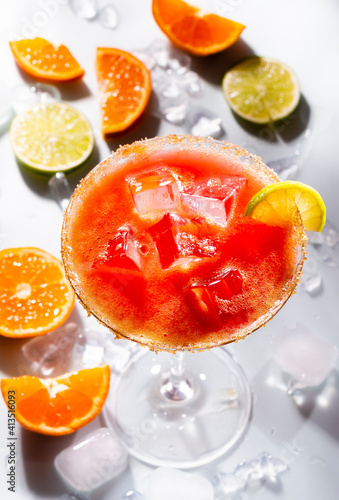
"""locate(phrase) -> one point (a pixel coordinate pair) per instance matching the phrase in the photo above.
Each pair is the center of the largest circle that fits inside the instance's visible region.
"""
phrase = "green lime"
(277, 203)
(261, 89)
(51, 138)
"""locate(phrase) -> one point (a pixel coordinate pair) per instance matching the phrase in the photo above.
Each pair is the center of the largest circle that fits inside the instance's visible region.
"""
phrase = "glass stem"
(176, 386)
(178, 365)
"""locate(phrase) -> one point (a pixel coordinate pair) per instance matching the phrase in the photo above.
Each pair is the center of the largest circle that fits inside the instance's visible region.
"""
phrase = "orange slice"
(193, 29)
(57, 406)
(125, 87)
(40, 59)
(34, 293)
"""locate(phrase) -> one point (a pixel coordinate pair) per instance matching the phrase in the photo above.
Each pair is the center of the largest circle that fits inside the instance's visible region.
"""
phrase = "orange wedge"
(40, 59)
(57, 406)
(193, 29)
(35, 295)
(125, 88)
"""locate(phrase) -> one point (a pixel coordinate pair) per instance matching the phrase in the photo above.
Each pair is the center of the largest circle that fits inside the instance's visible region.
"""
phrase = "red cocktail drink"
(157, 246)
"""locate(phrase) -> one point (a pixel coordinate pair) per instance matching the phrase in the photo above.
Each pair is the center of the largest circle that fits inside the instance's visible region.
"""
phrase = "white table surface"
(304, 35)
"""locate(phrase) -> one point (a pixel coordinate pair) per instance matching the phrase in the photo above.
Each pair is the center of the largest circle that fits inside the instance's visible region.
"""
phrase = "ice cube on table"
(214, 200)
(108, 17)
(159, 49)
(263, 468)
(228, 486)
(191, 82)
(172, 100)
(60, 189)
(173, 109)
(176, 237)
(172, 484)
(94, 348)
(325, 254)
(312, 283)
(178, 62)
(50, 354)
(316, 238)
(169, 58)
(87, 9)
(145, 57)
(168, 88)
(305, 355)
(156, 191)
(89, 349)
(203, 122)
(26, 95)
(117, 355)
(88, 464)
(269, 468)
(329, 236)
(204, 295)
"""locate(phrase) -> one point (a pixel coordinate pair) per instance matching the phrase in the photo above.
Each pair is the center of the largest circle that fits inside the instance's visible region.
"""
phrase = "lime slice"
(261, 89)
(51, 138)
(277, 203)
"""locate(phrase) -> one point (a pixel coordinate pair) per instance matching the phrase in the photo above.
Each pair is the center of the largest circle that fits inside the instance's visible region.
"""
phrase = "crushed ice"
(174, 84)
(264, 469)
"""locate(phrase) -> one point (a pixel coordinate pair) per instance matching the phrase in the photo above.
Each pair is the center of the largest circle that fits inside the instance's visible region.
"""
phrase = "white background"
(304, 34)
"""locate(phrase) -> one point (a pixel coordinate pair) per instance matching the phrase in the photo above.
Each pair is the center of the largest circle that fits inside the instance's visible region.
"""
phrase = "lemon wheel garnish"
(277, 203)
(261, 90)
(51, 138)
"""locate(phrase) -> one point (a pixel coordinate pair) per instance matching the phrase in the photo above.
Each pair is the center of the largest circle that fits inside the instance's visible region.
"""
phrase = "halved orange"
(35, 295)
(125, 88)
(57, 406)
(193, 29)
(42, 60)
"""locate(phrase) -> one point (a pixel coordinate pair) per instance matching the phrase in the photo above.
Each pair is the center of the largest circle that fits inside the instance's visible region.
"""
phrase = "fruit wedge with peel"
(57, 406)
(42, 60)
(194, 30)
(50, 138)
(261, 89)
(36, 297)
(277, 204)
(125, 88)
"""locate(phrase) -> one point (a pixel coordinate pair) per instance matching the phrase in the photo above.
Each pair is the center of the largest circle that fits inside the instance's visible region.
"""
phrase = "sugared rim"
(145, 148)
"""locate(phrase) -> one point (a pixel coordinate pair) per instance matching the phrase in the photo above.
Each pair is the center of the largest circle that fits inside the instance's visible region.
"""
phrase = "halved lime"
(277, 203)
(51, 138)
(261, 90)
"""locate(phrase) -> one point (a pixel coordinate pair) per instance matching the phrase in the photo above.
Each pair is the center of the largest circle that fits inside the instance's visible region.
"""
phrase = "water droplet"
(312, 283)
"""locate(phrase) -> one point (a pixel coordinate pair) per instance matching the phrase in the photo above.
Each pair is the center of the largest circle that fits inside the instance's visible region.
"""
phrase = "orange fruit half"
(40, 59)
(193, 29)
(125, 88)
(35, 295)
(57, 406)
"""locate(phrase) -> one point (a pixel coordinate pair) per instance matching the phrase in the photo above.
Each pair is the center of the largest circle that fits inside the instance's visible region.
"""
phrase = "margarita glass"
(157, 247)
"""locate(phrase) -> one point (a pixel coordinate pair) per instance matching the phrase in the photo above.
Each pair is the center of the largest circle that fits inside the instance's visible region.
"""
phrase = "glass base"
(208, 416)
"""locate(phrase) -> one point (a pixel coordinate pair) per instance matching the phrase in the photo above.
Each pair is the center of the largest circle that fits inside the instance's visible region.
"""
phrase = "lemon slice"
(277, 203)
(51, 138)
(261, 89)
